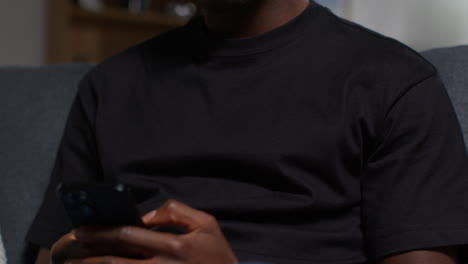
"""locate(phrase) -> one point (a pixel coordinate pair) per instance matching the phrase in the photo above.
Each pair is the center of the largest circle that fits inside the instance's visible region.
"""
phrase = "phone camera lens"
(120, 187)
(87, 211)
(82, 195)
(72, 199)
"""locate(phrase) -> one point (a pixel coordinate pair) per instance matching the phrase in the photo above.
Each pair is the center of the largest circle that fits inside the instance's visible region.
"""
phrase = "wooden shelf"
(120, 16)
(76, 34)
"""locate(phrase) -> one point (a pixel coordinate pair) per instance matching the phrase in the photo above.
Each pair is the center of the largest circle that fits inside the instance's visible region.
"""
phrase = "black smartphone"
(99, 204)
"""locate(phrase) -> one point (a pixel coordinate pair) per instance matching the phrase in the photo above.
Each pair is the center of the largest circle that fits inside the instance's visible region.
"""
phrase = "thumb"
(176, 213)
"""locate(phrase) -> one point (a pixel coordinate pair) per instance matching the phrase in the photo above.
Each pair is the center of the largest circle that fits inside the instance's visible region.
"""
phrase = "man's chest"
(280, 129)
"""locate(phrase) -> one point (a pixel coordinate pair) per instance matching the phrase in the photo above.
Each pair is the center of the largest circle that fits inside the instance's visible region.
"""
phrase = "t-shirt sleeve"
(415, 184)
(76, 161)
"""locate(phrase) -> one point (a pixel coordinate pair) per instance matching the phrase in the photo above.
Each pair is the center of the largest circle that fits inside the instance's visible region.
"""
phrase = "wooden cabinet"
(76, 34)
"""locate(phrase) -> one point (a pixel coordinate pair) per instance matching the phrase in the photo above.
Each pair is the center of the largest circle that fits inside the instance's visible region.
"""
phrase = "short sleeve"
(77, 160)
(415, 184)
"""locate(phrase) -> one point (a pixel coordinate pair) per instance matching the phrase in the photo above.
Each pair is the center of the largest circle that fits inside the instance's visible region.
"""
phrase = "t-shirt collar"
(214, 45)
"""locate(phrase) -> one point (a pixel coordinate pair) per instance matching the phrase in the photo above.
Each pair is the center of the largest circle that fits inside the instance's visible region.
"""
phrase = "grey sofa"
(34, 103)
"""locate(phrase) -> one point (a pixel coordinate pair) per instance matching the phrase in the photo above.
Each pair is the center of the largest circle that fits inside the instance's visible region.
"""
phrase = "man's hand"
(203, 242)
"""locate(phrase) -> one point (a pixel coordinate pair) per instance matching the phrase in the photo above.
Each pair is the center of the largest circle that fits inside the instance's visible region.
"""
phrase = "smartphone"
(99, 204)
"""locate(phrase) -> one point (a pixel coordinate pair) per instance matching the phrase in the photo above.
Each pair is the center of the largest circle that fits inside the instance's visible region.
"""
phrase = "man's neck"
(254, 19)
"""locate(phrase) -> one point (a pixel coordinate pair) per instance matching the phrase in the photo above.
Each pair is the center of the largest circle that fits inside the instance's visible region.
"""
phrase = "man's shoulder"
(382, 52)
(382, 63)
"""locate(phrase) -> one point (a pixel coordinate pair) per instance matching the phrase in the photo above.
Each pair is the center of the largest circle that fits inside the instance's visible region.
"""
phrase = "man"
(297, 136)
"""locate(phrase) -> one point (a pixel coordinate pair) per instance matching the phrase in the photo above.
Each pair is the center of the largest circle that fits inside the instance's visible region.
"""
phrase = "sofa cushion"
(34, 103)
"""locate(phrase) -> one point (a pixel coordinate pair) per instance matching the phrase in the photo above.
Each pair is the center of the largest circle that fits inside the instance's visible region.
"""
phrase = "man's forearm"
(445, 255)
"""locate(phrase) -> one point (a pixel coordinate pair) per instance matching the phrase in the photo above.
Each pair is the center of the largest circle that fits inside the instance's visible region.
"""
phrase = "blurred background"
(38, 32)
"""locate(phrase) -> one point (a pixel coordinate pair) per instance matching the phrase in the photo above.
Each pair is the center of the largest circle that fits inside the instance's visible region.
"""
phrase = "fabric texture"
(319, 141)
(34, 103)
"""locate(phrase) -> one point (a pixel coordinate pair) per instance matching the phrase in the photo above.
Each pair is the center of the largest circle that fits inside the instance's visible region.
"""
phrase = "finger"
(147, 241)
(94, 250)
(118, 260)
(77, 249)
(69, 247)
(65, 246)
(104, 260)
(176, 213)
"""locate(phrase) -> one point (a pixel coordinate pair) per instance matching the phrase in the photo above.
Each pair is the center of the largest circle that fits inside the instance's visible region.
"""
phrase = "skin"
(204, 241)
(442, 255)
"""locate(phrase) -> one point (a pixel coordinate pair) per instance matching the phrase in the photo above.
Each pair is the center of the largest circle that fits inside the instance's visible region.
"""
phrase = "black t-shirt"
(317, 142)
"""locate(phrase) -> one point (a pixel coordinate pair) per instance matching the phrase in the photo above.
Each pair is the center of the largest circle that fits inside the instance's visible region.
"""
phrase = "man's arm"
(43, 257)
(445, 255)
